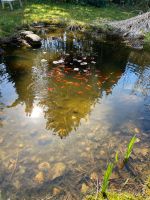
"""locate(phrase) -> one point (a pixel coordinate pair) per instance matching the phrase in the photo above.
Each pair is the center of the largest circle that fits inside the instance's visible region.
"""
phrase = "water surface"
(72, 117)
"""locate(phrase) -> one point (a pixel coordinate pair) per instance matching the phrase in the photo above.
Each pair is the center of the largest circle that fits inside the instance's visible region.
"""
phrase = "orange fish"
(76, 84)
(50, 89)
(79, 92)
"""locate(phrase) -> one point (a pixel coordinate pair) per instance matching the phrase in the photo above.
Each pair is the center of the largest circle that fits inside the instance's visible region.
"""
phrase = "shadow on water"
(89, 106)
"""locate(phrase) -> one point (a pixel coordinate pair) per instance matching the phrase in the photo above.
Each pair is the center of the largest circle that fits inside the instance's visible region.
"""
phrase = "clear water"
(73, 121)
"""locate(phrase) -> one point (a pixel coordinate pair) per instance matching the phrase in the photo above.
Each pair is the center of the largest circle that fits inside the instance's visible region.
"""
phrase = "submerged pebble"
(44, 166)
(56, 191)
(39, 178)
(58, 169)
(94, 176)
(84, 188)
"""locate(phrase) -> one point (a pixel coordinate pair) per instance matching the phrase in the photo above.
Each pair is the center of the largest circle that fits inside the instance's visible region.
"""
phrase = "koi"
(79, 92)
(50, 89)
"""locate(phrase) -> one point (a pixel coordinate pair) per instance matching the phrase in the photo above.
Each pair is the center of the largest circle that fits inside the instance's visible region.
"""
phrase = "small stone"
(137, 140)
(58, 169)
(84, 188)
(136, 130)
(114, 176)
(11, 164)
(94, 176)
(44, 166)
(39, 178)
(56, 191)
(144, 151)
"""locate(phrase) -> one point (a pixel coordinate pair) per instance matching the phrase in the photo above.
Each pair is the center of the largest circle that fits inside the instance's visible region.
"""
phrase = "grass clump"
(116, 196)
(111, 195)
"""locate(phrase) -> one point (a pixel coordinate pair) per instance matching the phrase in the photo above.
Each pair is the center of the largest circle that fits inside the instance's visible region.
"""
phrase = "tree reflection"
(65, 96)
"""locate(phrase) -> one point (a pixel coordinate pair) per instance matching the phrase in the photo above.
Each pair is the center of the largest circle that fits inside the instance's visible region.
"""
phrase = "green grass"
(111, 195)
(35, 11)
(147, 38)
(117, 196)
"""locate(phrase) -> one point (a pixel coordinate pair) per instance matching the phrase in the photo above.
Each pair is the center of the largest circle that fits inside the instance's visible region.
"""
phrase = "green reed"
(107, 175)
(111, 165)
(129, 148)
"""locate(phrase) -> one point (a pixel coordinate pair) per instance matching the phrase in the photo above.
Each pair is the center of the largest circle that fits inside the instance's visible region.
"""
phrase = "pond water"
(60, 124)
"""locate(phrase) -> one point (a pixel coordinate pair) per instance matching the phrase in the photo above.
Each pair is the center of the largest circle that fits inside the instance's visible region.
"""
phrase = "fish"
(50, 89)
(76, 84)
(87, 88)
(79, 92)
(62, 86)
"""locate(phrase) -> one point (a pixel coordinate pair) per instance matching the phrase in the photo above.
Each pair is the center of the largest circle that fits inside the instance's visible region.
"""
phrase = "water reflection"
(90, 108)
(65, 96)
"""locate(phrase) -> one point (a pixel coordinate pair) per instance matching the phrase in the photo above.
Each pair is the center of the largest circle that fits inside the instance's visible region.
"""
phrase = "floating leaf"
(76, 69)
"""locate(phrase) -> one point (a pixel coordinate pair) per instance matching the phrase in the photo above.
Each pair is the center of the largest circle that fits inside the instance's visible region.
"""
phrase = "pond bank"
(132, 32)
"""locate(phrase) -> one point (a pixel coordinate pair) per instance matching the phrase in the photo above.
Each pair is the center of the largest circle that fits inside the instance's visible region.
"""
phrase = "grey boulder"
(33, 39)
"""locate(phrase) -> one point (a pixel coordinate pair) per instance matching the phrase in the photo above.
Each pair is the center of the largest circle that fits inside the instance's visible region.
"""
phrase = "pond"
(65, 109)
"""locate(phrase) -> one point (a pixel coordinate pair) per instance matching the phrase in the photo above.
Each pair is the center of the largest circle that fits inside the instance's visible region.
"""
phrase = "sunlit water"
(72, 118)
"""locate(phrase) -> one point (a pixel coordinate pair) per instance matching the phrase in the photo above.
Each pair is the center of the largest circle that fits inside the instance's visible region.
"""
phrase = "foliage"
(37, 10)
(117, 196)
(129, 148)
(107, 175)
(111, 195)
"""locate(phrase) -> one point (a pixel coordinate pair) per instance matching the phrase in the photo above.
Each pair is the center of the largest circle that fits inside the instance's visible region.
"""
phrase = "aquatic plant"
(129, 148)
(116, 157)
(107, 175)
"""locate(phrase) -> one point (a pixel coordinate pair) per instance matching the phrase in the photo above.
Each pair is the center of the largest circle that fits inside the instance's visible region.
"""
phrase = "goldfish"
(50, 89)
(79, 92)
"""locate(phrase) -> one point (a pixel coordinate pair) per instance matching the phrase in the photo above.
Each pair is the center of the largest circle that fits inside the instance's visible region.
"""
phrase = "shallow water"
(72, 118)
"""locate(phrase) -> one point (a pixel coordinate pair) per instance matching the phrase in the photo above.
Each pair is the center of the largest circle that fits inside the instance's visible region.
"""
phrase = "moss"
(147, 38)
(117, 196)
(35, 11)
(125, 195)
